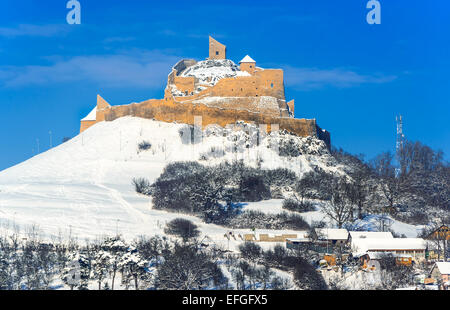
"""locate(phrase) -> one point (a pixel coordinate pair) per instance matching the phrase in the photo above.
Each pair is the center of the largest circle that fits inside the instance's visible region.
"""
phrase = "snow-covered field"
(83, 188)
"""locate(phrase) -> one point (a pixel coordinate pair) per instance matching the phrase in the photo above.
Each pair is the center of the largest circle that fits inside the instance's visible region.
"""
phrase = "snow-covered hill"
(83, 187)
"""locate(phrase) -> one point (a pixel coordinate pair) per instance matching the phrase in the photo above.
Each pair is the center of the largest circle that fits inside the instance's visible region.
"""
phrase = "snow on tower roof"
(92, 116)
(247, 59)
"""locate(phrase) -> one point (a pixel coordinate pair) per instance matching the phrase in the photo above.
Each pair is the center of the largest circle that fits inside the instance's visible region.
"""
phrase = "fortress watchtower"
(216, 49)
(248, 64)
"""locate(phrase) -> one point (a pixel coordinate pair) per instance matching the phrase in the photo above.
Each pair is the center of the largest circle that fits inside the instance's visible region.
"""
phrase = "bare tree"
(361, 188)
(187, 267)
(390, 184)
(437, 234)
(340, 208)
(392, 275)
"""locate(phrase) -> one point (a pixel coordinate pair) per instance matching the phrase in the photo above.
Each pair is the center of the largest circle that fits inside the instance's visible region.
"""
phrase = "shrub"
(190, 134)
(211, 192)
(180, 169)
(307, 278)
(182, 228)
(252, 188)
(414, 218)
(144, 146)
(185, 267)
(297, 206)
(292, 221)
(250, 251)
(289, 148)
(280, 177)
(259, 220)
(142, 186)
(316, 185)
(276, 256)
(189, 187)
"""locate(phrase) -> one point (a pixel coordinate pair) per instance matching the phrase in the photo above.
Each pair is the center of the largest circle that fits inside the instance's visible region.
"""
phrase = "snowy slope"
(83, 187)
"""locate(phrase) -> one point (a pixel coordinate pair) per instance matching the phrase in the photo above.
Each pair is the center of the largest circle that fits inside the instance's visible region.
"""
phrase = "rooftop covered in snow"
(332, 234)
(92, 116)
(247, 59)
(371, 234)
(443, 267)
(363, 245)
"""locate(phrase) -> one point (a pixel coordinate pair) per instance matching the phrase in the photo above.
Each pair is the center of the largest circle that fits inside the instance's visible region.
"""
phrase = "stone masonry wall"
(170, 111)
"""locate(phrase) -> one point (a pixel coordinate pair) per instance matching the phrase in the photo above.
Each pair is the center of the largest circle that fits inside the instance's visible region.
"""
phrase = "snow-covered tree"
(133, 266)
(101, 266)
(75, 273)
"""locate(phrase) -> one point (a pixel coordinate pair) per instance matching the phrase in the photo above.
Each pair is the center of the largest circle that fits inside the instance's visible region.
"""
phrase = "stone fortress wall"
(255, 96)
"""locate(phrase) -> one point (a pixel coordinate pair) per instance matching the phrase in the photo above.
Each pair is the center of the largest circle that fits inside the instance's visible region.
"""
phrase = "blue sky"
(354, 78)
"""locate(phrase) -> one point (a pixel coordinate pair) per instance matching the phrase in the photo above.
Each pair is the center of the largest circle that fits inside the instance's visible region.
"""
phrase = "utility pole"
(51, 142)
(37, 142)
(400, 140)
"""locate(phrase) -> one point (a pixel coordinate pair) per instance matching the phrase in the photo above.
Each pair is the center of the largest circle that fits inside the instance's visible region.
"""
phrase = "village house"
(441, 274)
(370, 260)
(276, 238)
(322, 240)
(442, 233)
(415, 247)
(369, 235)
(295, 243)
(331, 236)
(439, 243)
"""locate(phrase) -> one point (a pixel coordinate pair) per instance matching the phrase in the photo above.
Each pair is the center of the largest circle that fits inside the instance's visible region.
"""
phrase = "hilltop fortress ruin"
(219, 91)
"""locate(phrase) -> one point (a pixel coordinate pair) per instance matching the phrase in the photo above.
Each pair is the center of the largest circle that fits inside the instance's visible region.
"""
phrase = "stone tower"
(248, 64)
(217, 50)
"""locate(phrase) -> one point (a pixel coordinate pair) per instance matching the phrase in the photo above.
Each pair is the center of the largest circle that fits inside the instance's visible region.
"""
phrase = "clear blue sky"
(351, 76)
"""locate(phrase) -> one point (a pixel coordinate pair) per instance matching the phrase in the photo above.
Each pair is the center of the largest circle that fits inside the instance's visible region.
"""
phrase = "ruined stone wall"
(86, 124)
(250, 67)
(217, 50)
(185, 84)
(291, 105)
(264, 105)
(263, 83)
(170, 111)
